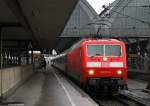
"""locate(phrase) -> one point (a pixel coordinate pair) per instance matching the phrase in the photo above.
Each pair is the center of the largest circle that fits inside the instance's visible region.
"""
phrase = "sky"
(97, 4)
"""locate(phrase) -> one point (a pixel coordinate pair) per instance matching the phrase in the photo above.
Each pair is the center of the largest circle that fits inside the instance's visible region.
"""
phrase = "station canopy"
(126, 18)
(40, 22)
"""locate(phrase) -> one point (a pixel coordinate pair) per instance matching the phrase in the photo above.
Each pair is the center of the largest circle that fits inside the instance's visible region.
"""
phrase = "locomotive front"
(105, 65)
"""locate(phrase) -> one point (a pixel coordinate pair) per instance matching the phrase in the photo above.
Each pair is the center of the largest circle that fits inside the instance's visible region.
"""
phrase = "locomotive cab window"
(112, 50)
(95, 50)
(103, 50)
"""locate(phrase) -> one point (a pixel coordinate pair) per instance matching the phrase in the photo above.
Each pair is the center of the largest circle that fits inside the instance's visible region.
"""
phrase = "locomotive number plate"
(105, 72)
(105, 64)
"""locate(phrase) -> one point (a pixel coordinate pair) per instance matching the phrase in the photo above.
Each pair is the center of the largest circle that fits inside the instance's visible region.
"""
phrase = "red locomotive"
(96, 63)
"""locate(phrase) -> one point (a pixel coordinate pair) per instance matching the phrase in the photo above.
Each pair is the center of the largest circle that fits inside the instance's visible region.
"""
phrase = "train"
(97, 64)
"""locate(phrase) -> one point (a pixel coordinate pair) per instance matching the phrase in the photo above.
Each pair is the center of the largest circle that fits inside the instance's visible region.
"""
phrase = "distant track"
(116, 101)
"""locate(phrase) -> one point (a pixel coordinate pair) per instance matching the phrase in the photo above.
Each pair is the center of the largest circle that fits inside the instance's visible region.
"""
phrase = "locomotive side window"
(112, 50)
(95, 50)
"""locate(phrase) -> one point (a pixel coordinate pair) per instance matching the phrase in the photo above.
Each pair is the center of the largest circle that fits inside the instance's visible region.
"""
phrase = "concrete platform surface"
(136, 84)
(51, 89)
(138, 74)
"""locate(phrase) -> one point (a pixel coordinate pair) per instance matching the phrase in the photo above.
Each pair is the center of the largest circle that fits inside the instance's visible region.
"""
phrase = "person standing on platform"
(42, 62)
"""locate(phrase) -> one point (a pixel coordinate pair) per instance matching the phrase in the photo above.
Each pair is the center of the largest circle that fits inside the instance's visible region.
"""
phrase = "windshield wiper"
(98, 54)
(92, 56)
(95, 55)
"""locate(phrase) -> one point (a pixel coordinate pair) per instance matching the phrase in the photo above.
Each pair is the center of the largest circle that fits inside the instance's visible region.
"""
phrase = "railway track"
(116, 101)
(109, 102)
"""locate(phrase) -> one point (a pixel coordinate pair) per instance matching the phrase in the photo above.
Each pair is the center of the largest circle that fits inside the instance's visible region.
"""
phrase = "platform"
(136, 84)
(138, 74)
(51, 88)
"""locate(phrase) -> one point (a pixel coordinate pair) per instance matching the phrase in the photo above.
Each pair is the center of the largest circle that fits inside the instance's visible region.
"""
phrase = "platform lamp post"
(30, 48)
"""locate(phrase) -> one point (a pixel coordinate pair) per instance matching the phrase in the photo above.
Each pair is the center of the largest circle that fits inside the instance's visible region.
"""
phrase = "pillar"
(1, 64)
(27, 56)
(19, 53)
(148, 48)
(1, 49)
(31, 56)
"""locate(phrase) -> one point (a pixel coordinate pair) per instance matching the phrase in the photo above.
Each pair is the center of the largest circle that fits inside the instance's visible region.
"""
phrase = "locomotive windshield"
(95, 50)
(103, 50)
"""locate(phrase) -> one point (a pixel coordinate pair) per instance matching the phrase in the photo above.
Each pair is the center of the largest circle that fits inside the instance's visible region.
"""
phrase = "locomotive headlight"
(119, 72)
(91, 72)
(105, 58)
